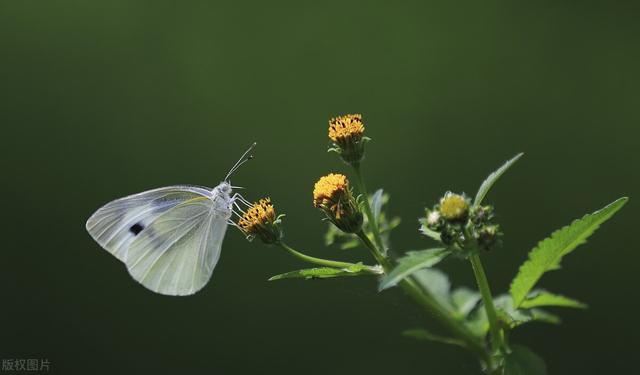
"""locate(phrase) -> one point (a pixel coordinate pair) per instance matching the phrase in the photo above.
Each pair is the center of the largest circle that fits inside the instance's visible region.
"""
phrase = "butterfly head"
(224, 188)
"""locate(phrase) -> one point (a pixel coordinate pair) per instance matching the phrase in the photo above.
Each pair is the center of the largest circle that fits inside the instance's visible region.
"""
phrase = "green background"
(102, 99)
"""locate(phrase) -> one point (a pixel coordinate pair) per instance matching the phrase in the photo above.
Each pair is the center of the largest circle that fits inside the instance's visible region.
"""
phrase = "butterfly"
(169, 238)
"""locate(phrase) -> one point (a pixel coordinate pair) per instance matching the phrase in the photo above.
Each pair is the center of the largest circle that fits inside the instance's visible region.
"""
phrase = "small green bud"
(487, 236)
(481, 215)
(433, 220)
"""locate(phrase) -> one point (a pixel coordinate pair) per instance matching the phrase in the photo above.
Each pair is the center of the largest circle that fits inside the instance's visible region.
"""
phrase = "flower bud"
(454, 207)
(261, 221)
(346, 132)
(481, 214)
(333, 196)
(487, 236)
(449, 235)
(433, 220)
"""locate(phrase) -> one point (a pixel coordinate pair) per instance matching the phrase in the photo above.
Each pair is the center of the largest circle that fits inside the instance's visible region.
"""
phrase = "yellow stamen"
(328, 188)
(260, 213)
(345, 126)
(454, 207)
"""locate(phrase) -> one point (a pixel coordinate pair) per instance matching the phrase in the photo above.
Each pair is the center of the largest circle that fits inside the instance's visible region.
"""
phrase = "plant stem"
(487, 299)
(381, 259)
(426, 300)
(421, 296)
(362, 188)
(322, 262)
(443, 317)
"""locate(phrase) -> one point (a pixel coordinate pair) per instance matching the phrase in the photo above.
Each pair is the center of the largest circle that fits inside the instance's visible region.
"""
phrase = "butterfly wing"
(115, 225)
(177, 252)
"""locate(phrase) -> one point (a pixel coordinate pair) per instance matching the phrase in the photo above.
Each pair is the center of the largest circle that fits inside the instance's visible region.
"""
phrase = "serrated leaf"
(516, 317)
(428, 232)
(324, 272)
(522, 361)
(549, 252)
(544, 298)
(465, 300)
(414, 261)
(423, 334)
(376, 203)
(488, 183)
(437, 284)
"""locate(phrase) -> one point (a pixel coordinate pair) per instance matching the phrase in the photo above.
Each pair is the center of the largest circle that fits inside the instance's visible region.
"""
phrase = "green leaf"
(345, 241)
(493, 177)
(428, 232)
(459, 303)
(437, 283)
(413, 261)
(376, 203)
(544, 298)
(516, 317)
(324, 272)
(539, 315)
(477, 322)
(522, 361)
(465, 300)
(423, 334)
(549, 252)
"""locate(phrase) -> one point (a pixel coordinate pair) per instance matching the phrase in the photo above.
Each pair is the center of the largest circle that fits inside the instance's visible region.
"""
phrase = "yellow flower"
(347, 132)
(347, 126)
(454, 207)
(328, 188)
(261, 221)
(333, 196)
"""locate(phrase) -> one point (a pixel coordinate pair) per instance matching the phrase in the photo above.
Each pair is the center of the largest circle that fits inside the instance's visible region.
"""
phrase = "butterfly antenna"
(243, 159)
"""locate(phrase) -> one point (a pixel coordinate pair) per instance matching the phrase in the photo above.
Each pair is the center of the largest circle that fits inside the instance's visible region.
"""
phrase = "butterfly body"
(169, 238)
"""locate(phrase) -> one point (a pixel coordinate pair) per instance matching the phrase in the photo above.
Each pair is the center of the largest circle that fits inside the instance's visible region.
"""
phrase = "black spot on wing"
(136, 228)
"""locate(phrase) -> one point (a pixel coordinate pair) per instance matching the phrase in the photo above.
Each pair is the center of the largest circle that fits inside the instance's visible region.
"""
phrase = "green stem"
(485, 291)
(384, 262)
(426, 300)
(421, 296)
(362, 188)
(320, 261)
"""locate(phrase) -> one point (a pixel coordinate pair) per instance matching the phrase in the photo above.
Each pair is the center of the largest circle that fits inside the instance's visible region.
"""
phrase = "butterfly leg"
(240, 198)
(236, 208)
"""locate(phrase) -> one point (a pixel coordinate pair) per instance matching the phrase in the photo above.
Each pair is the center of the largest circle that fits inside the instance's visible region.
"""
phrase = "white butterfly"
(169, 238)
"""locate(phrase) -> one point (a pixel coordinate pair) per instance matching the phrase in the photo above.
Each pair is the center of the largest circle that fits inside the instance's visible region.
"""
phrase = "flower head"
(454, 207)
(334, 197)
(458, 223)
(347, 134)
(347, 126)
(261, 221)
(329, 188)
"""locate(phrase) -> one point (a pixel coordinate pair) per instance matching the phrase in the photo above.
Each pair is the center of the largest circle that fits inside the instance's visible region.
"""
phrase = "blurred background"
(103, 99)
